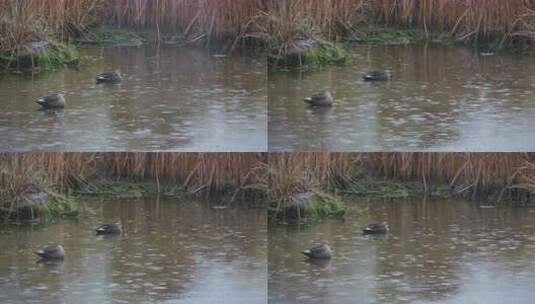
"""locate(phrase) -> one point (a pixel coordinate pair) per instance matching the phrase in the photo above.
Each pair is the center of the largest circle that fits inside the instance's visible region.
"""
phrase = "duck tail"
(40, 253)
(308, 99)
(307, 252)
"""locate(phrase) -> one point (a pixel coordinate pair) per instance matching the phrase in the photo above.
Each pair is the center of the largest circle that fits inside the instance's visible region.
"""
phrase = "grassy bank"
(33, 185)
(464, 20)
(490, 24)
(507, 178)
(282, 26)
(297, 185)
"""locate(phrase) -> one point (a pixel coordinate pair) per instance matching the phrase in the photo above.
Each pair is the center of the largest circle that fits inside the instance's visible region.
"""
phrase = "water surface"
(171, 99)
(436, 252)
(441, 99)
(170, 252)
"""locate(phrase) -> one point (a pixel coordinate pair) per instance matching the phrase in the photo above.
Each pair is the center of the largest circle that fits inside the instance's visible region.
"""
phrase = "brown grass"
(278, 175)
(195, 20)
(465, 20)
(25, 21)
(467, 173)
(262, 20)
(24, 173)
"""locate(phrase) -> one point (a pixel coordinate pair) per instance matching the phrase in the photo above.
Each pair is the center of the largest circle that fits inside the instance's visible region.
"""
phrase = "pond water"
(169, 252)
(175, 99)
(436, 252)
(441, 99)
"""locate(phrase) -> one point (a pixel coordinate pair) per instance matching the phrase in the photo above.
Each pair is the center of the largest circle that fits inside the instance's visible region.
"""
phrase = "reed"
(25, 174)
(470, 174)
(465, 20)
(264, 21)
(22, 22)
(208, 171)
(202, 20)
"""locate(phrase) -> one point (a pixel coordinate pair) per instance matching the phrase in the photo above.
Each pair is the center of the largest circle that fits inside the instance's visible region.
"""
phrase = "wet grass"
(55, 208)
(309, 211)
(369, 187)
(325, 53)
(128, 189)
(111, 36)
(57, 55)
(396, 36)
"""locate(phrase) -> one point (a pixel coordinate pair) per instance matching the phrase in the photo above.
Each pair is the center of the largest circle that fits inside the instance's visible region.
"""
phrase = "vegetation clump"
(308, 207)
(396, 36)
(128, 189)
(311, 53)
(40, 55)
(110, 36)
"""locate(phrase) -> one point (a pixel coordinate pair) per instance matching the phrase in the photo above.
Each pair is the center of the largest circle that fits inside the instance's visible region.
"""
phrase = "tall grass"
(265, 21)
(470, 174)
(204, 20)
(465, 20)
(277, 175)
(24, 21)
(207, 171)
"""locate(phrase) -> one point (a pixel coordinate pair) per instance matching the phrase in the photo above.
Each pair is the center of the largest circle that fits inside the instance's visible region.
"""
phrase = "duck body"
(52, 101)
(322, 251)
(109, 77)
(109, 228)
(375, 228)
(52, 252)
(377, 76)
(320, 99)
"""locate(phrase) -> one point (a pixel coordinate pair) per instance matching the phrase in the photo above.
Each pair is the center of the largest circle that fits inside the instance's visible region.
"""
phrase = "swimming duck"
(109, 77)
(320, 99)
(110, 228)
(55, 252)
(322, 251)
(377, 76)
(52, 101)
(375, 228)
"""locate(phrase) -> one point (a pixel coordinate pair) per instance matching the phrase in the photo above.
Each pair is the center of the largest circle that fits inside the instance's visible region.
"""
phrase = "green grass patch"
(370, 187)
(129, 189)
(397, 36)
(54, 208)
(324, 53)
(111, 36)
(56, 55)
(308, 211)
(60, 208)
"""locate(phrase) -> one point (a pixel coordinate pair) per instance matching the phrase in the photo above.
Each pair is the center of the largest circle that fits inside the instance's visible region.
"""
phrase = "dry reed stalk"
(469, 173)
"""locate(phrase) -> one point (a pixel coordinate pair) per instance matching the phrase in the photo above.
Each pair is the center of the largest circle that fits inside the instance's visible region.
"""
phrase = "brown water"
(436, 252)
(441, 99)
(170, 252)
(171, 99)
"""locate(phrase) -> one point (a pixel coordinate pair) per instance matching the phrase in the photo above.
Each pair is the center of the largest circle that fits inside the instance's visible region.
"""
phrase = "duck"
(320, 99)
(378, 76)
(375, 228)
(52, 252)
(322, 251)
(109, 77)
(110, 228)
(52, 101)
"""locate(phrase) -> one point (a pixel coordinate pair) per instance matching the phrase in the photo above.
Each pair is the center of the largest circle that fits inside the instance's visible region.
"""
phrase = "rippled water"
(436, 252)
(441, 99)
(170, 252)
(171, 99)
